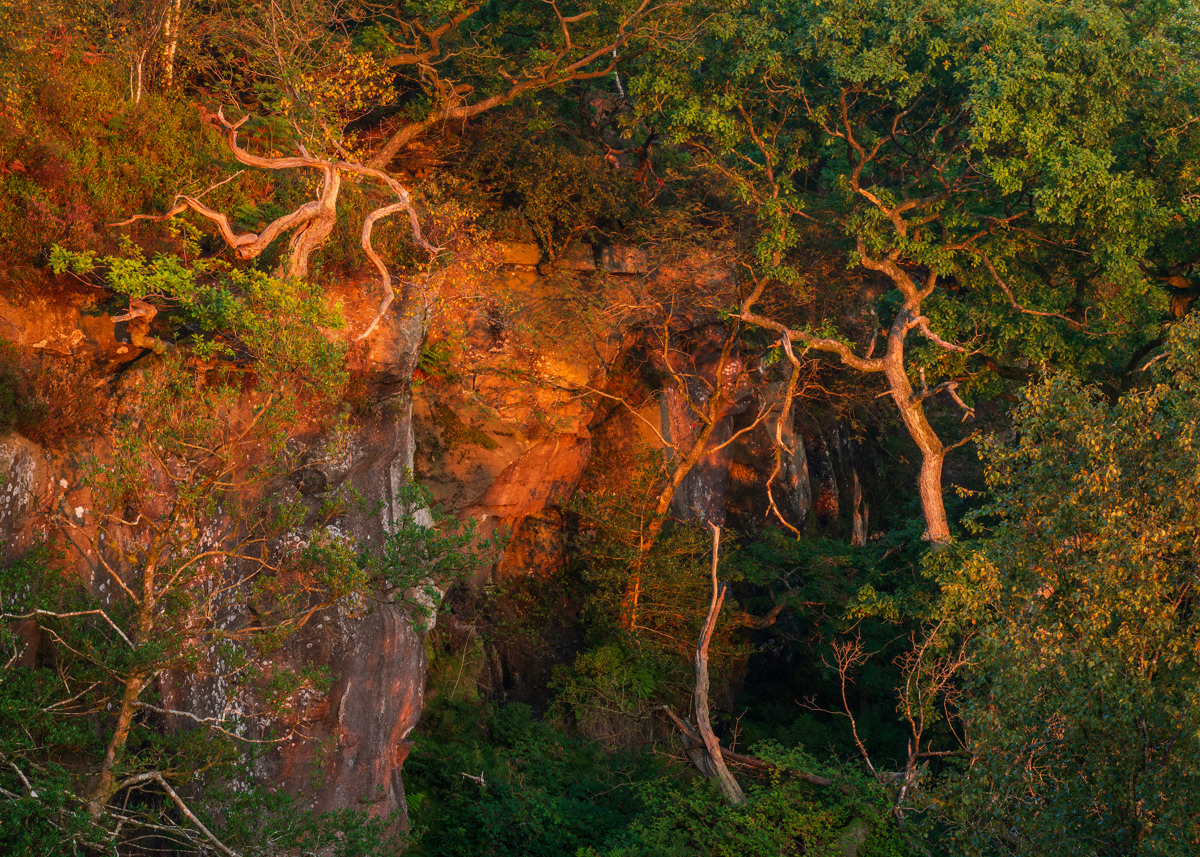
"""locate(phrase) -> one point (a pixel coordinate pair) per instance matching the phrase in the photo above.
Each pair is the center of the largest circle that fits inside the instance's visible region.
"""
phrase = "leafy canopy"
(1083, 707)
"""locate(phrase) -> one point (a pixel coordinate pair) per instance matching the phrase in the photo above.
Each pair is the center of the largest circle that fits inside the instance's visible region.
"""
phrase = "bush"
(496, 782)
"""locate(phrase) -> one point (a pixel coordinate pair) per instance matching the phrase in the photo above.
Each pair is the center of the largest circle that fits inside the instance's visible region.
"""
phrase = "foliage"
(199, 568)
(888, 131)
(48, 706)
(1082, 705)
(75, 151)
(1033, 164)
(265, 823)
(782, 816)
(426, 551)
(816, 114)
(231, 315)
(539, 791)
(367, 79)
(551, 183)
(300, 61)
(640, 644)
(543, 792)
(829, 592)
(674, 581)
(886, 134)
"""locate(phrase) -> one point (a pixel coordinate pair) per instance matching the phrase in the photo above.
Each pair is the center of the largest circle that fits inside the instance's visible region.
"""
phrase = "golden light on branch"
(311, 223)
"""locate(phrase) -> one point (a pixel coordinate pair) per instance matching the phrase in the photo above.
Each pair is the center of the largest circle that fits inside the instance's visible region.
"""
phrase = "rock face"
(354, 734)
(502, 405)
(544, 476)
(555, 376)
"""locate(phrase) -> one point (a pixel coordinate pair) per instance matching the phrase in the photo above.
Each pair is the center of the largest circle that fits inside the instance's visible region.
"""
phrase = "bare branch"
(1013, 301)
(849, 655)
(950, 387)
(658, 434)
(733, 792)
(831, 346)
(39, 612)
(313, 222)
(183, 807)
(24, 780)
(963, 442)
(213, 723)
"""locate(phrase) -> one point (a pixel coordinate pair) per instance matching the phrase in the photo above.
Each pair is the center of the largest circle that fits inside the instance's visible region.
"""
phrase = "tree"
(179, 526)
(311, 223)
(401, 70)
(1081, 705)
(465, 59)
(990, 166)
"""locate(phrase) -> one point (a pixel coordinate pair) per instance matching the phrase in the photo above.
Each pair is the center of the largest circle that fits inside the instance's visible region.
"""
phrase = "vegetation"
(983, 213)
(192, 575)
(1081, 706)
(891, 131)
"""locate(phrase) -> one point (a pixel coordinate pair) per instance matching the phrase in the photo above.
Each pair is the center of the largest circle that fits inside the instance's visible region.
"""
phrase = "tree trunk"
(729, 786)
(171, 35)
(860, 513)
(105, 786)
(933, 454)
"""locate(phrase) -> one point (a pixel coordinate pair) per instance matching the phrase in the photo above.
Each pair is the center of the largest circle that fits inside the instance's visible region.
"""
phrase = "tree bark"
(104, 788)
(933, 454)
(729, 786)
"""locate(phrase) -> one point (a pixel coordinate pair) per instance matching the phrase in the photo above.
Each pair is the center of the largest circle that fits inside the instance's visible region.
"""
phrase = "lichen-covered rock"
(25, 474)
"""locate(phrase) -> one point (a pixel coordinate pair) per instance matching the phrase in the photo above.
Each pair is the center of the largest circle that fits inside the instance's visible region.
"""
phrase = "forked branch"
(1004, 287)
(311, 223)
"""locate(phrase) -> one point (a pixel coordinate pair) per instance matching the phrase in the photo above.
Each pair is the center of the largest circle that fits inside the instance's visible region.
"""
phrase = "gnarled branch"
(311, 223)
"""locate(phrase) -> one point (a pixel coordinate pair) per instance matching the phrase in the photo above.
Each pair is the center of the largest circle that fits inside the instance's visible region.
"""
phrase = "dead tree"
(928, 696)
(311, 223)
(729, 786)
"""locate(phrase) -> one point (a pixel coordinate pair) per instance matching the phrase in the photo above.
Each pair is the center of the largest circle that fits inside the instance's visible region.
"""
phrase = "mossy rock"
(457, 433)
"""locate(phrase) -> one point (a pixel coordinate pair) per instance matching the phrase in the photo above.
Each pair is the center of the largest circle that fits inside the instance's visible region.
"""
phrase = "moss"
(457, 433)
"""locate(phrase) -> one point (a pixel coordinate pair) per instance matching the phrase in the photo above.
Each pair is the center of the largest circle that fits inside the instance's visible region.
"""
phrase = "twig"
(210, 723)
(962, 442)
